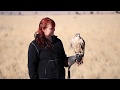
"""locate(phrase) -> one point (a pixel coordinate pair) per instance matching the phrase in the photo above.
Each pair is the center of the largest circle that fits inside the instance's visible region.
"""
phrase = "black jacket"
(45, 63)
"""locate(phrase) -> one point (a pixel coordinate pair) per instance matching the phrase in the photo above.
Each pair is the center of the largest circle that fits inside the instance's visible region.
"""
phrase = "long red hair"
(39, 34)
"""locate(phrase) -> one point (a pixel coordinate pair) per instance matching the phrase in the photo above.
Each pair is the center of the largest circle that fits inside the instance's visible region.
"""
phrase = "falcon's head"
(77, 35)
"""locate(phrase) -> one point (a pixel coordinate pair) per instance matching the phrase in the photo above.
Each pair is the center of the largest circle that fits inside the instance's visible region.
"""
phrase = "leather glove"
(71, 60)
(79, 59)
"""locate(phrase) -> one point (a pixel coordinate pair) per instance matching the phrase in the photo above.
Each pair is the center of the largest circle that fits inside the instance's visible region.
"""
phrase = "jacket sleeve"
(65, 58)
(33, 62)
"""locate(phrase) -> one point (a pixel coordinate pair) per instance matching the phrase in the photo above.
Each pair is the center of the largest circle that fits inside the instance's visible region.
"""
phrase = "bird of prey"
(77, 43)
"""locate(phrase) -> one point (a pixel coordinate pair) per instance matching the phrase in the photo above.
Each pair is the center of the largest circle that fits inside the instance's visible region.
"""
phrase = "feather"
(77, 43)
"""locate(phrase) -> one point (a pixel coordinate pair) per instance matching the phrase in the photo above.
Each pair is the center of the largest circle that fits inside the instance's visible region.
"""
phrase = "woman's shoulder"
(33, 43)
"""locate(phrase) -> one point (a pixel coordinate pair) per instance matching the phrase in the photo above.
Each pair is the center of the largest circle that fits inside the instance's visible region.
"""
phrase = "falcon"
(77, 43)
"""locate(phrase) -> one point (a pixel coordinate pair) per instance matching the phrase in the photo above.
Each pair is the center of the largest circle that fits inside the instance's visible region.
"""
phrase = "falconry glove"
(79, 57)
(71, 60)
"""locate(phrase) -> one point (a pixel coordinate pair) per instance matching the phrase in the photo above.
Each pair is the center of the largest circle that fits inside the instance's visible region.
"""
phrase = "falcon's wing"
(71, 43)
(82, 44)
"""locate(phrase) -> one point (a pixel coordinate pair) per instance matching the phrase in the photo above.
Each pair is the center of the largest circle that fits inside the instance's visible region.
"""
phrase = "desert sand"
(100, 32)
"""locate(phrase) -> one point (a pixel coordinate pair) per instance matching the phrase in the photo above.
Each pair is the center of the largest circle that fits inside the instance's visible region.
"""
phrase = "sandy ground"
(100, 32)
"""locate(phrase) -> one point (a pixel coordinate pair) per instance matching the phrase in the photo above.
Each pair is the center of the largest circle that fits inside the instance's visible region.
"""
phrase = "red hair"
(39, 34)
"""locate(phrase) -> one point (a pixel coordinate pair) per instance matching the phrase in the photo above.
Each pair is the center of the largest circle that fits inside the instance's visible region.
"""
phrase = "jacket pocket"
(53, 67)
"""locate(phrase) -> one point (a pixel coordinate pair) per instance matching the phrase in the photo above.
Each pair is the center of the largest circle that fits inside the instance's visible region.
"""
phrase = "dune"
(100, 32)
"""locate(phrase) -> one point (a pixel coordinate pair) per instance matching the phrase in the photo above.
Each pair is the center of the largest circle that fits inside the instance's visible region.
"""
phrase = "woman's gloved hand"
(71, 60)
(79, 59)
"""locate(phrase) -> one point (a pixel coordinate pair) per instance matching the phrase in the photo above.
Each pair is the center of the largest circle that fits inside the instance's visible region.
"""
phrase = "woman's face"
(49, 31)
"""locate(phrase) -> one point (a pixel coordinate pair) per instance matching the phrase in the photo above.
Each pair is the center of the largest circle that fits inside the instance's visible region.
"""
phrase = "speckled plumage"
(77, 43)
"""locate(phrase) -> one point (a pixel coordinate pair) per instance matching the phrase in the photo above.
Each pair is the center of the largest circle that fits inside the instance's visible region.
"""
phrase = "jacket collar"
(54, 38)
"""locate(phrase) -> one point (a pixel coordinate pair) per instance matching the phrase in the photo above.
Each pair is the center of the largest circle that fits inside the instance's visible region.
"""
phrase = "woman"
(46, 55)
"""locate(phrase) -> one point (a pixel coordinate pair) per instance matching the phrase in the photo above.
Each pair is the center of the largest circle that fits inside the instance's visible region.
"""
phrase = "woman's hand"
(79, 59)
(71, 60)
